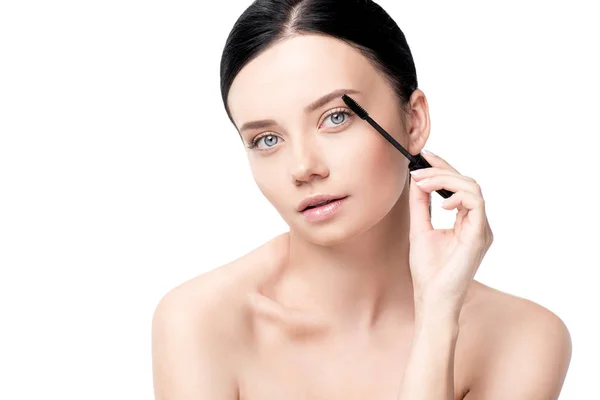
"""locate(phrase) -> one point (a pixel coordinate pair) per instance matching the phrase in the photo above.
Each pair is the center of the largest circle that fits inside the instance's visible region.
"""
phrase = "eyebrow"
(315, 105)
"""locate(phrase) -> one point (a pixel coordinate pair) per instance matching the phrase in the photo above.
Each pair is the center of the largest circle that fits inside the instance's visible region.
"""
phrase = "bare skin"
(327, 310)
(219, 336)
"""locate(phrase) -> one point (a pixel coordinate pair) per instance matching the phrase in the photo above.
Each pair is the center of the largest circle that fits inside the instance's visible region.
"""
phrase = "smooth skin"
(371, 304)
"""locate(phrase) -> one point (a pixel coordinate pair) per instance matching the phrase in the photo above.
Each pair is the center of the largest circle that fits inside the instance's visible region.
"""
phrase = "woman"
(362, 298)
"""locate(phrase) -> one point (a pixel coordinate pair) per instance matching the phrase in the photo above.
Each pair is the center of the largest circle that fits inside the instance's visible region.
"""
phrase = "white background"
(121, 176)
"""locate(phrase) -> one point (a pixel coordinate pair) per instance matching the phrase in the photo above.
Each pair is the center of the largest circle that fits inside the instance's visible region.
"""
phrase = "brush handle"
(419, 163)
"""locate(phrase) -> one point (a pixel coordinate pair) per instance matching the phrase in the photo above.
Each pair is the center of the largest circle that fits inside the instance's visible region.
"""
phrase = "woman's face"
(324, 149)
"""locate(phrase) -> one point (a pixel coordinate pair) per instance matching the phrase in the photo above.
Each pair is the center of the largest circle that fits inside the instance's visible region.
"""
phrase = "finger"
(452, 182)
(420, 220)
(471, 202)
(424, 173)
(467, 195)
(437, 161)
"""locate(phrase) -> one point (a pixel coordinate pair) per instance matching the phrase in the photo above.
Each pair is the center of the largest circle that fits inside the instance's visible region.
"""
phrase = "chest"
(362, 372)
(325, 376)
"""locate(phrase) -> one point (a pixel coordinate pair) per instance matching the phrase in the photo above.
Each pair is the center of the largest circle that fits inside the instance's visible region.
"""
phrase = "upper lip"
(316, 199)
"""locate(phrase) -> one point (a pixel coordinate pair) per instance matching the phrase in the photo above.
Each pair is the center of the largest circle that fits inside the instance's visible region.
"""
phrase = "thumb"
(419, 205)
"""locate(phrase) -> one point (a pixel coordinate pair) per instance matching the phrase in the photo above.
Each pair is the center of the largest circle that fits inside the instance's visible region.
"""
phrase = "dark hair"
(362, 24)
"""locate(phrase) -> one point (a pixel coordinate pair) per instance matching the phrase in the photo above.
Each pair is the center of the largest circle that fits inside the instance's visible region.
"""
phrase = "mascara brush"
(416, 162)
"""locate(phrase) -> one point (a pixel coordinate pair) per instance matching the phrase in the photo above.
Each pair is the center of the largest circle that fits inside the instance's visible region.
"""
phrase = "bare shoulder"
(224, 288)
(520, 349)
(198, 327)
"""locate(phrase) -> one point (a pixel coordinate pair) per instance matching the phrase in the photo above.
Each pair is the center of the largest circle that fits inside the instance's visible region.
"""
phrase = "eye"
(338, 117)
(270, 140)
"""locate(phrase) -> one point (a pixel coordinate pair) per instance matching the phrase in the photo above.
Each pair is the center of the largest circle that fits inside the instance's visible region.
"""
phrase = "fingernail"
(416, 171)
(427, 152)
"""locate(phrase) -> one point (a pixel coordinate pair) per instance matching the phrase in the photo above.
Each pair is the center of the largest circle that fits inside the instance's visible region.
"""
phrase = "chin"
(330, 233)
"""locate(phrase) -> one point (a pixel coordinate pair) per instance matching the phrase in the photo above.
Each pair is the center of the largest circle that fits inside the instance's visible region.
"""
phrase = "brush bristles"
(355, 107)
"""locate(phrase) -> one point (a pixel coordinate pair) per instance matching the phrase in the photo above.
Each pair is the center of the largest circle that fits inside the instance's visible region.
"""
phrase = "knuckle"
(479, 201)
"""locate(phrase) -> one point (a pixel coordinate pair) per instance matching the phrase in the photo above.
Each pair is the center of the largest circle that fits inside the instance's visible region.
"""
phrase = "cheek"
(270, 182)
(376, 160)
(379, 170)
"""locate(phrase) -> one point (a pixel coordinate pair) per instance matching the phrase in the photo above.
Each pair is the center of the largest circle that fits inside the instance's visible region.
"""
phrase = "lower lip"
(323, 212)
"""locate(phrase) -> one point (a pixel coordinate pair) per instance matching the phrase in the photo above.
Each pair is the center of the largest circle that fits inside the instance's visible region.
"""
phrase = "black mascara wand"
(416, 162)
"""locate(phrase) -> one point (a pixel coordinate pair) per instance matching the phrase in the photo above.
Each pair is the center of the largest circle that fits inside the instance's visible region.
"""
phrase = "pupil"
(339, 118)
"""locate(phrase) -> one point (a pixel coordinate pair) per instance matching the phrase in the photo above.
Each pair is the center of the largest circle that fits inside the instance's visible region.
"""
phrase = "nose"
(307, 163)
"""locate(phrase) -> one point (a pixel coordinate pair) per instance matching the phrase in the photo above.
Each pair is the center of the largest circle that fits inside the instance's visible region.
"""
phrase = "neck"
(357, 282)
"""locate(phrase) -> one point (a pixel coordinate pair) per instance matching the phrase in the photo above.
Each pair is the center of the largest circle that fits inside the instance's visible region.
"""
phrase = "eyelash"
(253, 143)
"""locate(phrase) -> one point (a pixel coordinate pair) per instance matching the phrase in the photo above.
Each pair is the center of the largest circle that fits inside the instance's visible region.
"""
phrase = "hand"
(443, 262)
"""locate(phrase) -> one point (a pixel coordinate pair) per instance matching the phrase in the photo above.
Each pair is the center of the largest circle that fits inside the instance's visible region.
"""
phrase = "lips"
(319, 204)
(317, 201)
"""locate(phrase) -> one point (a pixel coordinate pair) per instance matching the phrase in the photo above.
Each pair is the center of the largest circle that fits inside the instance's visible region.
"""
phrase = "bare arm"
(429, 372)
(189, 362)
(534, 352)
(529, 363)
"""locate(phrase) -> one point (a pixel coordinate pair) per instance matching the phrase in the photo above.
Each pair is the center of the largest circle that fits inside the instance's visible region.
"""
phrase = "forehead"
(286, 77)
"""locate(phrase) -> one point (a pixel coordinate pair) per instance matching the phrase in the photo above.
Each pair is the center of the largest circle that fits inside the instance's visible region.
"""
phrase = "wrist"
(437, 316)
(434, 303)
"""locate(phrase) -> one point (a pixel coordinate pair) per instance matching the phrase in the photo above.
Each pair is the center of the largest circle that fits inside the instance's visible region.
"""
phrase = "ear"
(418, 125)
